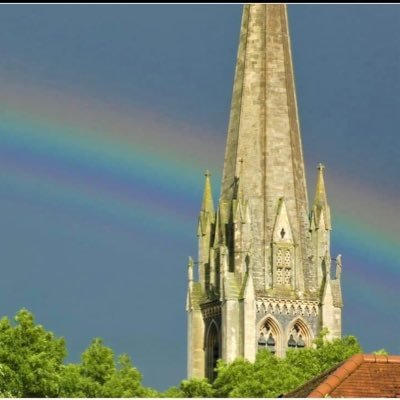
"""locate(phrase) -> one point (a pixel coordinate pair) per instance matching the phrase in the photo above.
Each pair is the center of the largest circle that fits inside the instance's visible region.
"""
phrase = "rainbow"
(81, 156)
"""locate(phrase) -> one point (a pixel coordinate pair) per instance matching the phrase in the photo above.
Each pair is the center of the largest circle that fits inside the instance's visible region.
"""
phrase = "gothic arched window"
(269, 337)
(212, 351)
(299, 336)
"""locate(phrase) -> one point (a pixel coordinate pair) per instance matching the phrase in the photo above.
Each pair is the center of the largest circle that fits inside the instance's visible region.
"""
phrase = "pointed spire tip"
(207, 203)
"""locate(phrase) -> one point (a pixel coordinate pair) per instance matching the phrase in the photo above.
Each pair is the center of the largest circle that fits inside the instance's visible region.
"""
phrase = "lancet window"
(299, 336)
(212, 351)
(269, 337)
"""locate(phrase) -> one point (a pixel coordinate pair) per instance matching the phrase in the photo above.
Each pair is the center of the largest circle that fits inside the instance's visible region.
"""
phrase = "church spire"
(264, 107)
(264, 266)
(264, 132)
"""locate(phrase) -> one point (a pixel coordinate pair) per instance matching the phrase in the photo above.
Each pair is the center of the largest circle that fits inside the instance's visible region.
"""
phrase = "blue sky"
(109, 114)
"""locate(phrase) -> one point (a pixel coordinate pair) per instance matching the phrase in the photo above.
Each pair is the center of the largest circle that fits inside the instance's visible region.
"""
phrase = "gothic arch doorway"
(213, 351)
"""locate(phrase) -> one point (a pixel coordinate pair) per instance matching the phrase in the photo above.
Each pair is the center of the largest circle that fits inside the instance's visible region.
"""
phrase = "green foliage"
(231, 376)
(31, 365)
(270, 376)
(30, 358)
(9, 382)
(99, 376)
(276, 375)
(190, 388)
(74, 384)
(173, 392)
(337, 350)
(88, 378)
(196, 388)
(150, 392)
(98, 362)
(125, 381)
(381, 352)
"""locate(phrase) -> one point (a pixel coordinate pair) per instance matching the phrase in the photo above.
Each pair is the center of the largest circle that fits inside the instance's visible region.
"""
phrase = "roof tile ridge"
(382, 358)
(395, 359)
(338, 376)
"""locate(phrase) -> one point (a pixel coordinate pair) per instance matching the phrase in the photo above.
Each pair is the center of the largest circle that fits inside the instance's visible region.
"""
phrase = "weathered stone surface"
(263, 135)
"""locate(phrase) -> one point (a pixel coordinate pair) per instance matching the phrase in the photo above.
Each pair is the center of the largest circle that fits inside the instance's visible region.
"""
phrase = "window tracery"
(268, 337)
(297, 337)
(283, 266)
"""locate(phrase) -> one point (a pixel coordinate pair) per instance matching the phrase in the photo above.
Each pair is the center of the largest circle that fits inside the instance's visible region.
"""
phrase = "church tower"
(264, 262)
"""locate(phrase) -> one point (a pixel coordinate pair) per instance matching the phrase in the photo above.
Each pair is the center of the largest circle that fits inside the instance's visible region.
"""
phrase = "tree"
(74, 384)
(381, 352)
(9, 382)
(99, 376)
(98, 362)
(190, 388)
(30, 358)
(125, 381)
(196, 387)
(31, 365)
(173, 392)
(230, 377)
(270, 376)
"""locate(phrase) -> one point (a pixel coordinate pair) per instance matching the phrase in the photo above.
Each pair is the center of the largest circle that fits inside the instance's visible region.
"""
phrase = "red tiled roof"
(363, 375)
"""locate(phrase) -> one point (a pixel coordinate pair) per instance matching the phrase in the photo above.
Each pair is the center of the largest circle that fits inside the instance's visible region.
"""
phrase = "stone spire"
(263, 134)
(208, 203)
(264, 262)
(320, 211)
(320, 192)
(320, 227)
(207, 213)
(205, 231)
